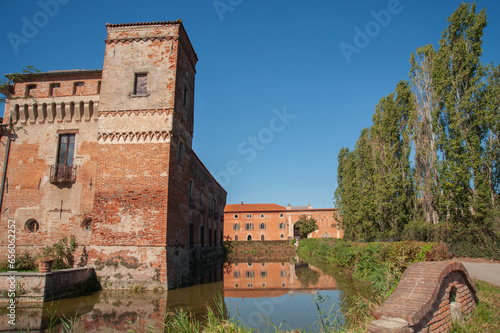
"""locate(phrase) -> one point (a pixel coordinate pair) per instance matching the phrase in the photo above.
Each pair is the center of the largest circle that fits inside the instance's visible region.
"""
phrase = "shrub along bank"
(380, 264)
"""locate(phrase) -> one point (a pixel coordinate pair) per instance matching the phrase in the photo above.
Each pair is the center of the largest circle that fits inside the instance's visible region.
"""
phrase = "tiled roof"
(253, 208)
(142, 23)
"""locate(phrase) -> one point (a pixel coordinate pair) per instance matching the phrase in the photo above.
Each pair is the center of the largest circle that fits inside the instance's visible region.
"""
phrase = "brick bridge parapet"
(428, 297)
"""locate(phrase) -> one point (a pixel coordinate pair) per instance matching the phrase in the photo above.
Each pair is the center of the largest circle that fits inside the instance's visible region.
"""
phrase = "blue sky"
(281, 86)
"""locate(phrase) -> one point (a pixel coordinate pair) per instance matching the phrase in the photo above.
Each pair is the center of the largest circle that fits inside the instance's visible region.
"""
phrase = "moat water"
(260, 295)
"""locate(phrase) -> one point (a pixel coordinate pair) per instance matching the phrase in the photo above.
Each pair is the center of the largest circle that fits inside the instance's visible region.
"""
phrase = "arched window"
(235, 216)
(249, 238)
(261, 216)
(262, 237)
(262, 226)
(236, 237)
(281, 215)
(282, 236)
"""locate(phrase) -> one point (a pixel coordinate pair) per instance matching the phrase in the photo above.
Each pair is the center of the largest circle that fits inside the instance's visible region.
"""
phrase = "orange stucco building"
(261, 222)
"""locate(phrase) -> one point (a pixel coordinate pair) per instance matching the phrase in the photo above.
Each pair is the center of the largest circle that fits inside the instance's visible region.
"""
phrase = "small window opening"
(78, 88)
(32, 225)
(141, 84)
(54, 89)
(30, 90)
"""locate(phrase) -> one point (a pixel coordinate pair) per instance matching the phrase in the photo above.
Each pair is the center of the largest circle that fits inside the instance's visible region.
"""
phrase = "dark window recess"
(191, 235)
(32, 225)
(78, 88)
(54, 88)
(209, 236)
(141, 84)
(30, 90)
(202, 236)
(64, 171)
(185, 97)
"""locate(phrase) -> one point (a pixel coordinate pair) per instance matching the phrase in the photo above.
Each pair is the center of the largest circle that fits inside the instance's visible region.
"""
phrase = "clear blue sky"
(256, 60)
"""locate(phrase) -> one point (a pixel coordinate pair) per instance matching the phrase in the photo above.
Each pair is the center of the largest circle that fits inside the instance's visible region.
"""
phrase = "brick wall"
(425, 298)
(129, 206)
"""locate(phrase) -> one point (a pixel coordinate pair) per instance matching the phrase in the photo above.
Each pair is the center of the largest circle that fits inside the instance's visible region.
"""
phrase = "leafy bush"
(381, 264)
(62, 252)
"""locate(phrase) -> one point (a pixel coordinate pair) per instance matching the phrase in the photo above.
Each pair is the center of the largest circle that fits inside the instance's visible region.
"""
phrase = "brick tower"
(136, 203)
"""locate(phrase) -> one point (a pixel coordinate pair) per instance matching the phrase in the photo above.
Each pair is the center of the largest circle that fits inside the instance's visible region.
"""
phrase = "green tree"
(305, 225)
(423, 132)
(460, 119)
(392, 172)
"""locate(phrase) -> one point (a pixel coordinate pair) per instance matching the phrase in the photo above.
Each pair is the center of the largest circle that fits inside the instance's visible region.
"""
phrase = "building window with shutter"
(141, 84)
(64, 171)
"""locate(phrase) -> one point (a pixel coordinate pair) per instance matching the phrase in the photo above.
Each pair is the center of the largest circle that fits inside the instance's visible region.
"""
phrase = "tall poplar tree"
(457, 75)
(423, 133)
(393, 178)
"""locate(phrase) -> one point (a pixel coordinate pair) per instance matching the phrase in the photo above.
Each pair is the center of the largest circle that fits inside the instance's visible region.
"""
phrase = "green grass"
(486, 318)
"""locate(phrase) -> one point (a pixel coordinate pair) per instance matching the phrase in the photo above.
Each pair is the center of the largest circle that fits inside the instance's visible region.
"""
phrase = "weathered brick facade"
(123, 183)
(263, 222)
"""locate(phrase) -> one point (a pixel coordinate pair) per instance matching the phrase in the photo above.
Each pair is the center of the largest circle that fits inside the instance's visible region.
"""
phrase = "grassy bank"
(380, 264)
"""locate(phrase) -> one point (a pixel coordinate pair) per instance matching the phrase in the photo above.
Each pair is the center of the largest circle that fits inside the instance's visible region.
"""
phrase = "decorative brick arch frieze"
(427, 297)
(134, 137)
(142, 112)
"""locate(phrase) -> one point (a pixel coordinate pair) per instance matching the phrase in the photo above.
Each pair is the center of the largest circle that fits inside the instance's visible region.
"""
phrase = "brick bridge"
(428, 297)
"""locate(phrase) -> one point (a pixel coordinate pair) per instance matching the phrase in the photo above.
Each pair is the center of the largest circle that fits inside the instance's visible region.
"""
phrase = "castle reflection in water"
(249, 289)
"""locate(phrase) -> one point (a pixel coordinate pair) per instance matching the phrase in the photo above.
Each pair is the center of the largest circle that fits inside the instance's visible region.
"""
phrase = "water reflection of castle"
(125, 310)
(272, 279)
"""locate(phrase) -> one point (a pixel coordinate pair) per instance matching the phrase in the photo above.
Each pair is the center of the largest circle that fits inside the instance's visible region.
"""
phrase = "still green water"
(290, 295)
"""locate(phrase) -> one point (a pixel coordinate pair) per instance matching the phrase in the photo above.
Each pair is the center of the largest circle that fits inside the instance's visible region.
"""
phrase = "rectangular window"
(191, 199)
(249, 216)
(236, 226)
(30, 90)
(282, 225)
(180, 156)
(78, 88)
(98, 87)
(66, 150)
(202, 236)
(248, 226)
(283, 274)
(236, 274)
(54, 89)
(141, 84)
(185, 97)
(63, 170)
(191, 235)
(249, 274)
(262, 226)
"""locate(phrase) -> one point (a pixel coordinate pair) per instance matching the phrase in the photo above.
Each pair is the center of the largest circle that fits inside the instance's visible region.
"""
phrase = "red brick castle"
(105, 155)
